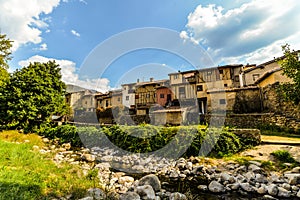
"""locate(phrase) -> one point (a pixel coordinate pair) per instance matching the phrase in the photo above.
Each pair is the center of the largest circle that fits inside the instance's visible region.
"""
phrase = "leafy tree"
(291, 68)
(5, 52)
(34, 94)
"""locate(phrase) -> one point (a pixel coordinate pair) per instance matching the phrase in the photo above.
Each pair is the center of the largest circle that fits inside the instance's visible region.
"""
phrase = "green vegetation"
(283, 156)
(291, 68)
(149, 138)
(5, 51)
(27, 174)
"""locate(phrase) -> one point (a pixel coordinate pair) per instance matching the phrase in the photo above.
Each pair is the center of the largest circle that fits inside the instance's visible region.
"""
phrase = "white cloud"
(250, 30)
(43, 47)
(83, 1)
(21, 21)
(75, 33)
(70, 74)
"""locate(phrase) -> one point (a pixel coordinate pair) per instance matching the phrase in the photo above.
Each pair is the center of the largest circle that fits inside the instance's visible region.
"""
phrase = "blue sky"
(74, 33)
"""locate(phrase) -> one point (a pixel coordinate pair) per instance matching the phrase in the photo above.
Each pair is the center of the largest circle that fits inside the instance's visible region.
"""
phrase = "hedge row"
(164, 141)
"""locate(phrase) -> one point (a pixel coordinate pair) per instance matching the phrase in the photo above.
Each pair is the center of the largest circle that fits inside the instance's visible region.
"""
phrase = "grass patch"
(27, 174)
(241, 160)
(283, 156)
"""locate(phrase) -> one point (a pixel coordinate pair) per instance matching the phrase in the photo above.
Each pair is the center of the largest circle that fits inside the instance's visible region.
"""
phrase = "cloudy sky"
(102, 44)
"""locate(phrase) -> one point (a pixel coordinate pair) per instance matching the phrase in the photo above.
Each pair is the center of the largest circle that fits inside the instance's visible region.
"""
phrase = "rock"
(67, 146)
(260, 178)
(96, 193)
(262, 190)
(216, 187)
(296, 170)
(151, 180)
(295, 188)
(293, 179)
(247, 187)
(254, 168)
(226, 177)
(177, 196)
(255, 163)
(250, 176)
(272, 189)
(126, 179)
(46, 140)
(146, 192)
(268, 197)
(283, 192)
(202, 187)
(88, 157)
(286, 186)
(234, 186)
(298, 194)
(129, 196)
(87, 198)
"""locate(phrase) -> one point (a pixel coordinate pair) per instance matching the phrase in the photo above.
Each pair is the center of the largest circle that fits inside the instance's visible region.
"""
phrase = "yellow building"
(145, 95)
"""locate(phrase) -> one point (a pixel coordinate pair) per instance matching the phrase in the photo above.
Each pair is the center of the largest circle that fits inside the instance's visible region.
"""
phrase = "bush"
(65, 134)
(283, 156)
(148, 138)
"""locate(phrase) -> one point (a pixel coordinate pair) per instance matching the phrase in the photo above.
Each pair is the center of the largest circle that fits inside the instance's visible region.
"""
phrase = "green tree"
(34, 94)
(5, 51)
(291, 68)
(5, 56)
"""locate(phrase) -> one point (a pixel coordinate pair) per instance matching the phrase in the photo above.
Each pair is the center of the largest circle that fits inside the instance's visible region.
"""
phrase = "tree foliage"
(291, 68)
(5, 51)
(34, 94)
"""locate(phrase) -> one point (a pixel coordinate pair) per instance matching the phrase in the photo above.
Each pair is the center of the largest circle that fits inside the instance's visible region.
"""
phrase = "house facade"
(128, 95)
(145, 95)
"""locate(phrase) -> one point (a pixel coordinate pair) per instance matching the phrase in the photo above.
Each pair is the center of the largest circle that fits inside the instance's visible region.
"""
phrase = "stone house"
(164, 96)
(116, 97)
(104, 100)
(128, 95)
(80, 102)
(145, 95)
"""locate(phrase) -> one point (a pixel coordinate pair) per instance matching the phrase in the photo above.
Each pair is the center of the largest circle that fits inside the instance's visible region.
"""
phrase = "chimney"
(151, 79)
(138, 80)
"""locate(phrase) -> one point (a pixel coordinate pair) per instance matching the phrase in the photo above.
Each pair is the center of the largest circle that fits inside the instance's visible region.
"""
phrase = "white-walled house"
(128, 95)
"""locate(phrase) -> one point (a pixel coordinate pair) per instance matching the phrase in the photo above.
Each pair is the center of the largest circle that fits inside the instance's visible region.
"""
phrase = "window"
(208, 76)
(217, 74)
(221, 71)
(199, 87)
(127, 98)
(147, 96)
(176, 76)
(182, 90)
(255, 77)
(106, 104)
(236, 78)
(162, 96)
(222, 101)
(225, 85)
(119, 99)
(136, 96)
(154, 95)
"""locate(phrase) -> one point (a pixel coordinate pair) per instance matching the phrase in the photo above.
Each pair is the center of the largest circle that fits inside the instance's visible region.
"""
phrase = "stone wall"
(256, 120)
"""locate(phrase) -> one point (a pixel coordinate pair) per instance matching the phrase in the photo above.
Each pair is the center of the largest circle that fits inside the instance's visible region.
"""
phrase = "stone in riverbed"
(129, 196)
(177, 196)
(247, 187)
(272, 189)
(283, 192)
(152, 180)
(216, 187)
(262, 189)
(96, 193)
(202, 187)
(146, 192)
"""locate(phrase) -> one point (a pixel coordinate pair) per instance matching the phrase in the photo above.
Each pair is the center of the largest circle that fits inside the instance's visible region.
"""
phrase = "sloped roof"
(267, 74)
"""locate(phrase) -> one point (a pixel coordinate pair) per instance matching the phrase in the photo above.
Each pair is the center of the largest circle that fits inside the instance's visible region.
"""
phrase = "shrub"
(283, 156)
